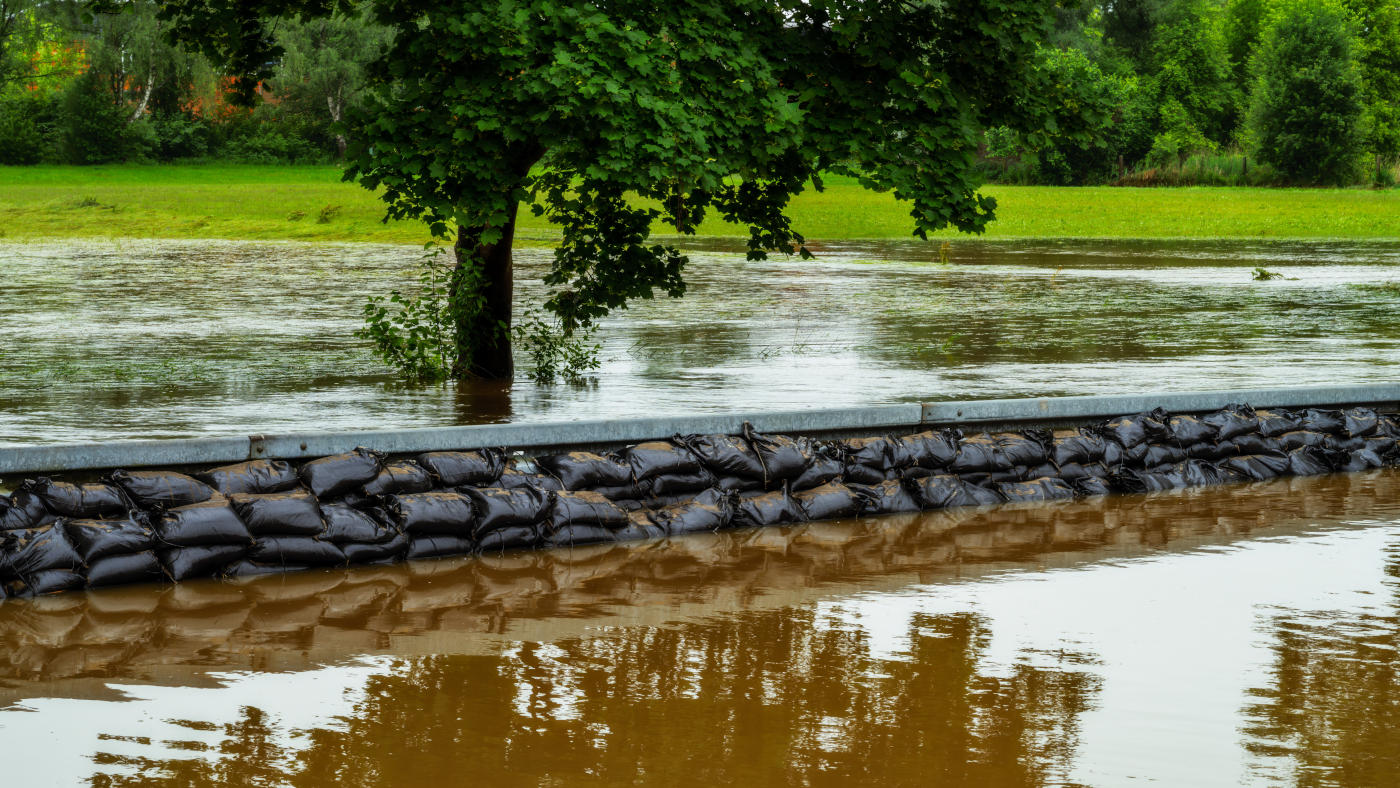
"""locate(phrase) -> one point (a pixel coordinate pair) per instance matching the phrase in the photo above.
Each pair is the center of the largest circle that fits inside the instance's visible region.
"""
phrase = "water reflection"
(108, 340)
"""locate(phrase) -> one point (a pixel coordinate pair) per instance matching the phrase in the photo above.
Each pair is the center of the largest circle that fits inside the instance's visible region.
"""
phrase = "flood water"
(148, 339)
(1223, 636)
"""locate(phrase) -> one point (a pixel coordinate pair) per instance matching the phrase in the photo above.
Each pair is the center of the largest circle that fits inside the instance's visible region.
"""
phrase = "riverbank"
(312, 204)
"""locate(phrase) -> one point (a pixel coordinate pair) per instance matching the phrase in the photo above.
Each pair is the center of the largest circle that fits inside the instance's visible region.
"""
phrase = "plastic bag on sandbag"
(932, 449)
(579, 534)
(403, 476)
(202, 524)
(94, 539)
(1257, 467)
(725, 455)
(254, 476)
(784, 458)
(433, 513)
(1078, 447)
(162, 489)
(28, 552)
(1232, 421)
(278, 514)
(1025, 447)
(1185, 430)
(85, 501)
(334, 476)
(1276, 422)
(979, 454)
(514, 480)
(456, 468)
(941, 492)
(1332, 422)
(772, 508)
(49, 581)
(711, 510)
(295, 551)
(877, 453)
(1360, 422)
(1092, 486)
(1163, 455)
(124, 569)
(1311, 461)
(864, 474)
(659, 458)
(498, 508)
(185, 563)
(830, 502)
(514, 537)
(376, 552)
(438, 546)
(889, 497)
(1045, 489)
(347, 525)
(585, 508)
(1130, 431)
(24, 510)
(584, 470)
(676, 483)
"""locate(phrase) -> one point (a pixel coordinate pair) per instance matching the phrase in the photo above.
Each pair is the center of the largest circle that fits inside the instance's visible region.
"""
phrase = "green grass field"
(311, 203)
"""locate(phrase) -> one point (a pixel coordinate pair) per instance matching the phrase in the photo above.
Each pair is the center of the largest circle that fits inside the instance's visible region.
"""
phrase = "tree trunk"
(483, 343)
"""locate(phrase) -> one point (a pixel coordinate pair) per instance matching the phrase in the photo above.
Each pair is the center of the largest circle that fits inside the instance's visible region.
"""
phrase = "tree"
(1192, 66)
(1379, 59)
(1306, 106)
(610, 118)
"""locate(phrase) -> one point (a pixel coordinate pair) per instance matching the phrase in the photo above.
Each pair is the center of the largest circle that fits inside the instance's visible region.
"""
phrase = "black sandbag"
(1388, 424)
(979, 454)
(1130, 431)
(514, 480)
(584, 470)
(1310, 461)
(877, 453)
(431, 513)
(295, 551)
(254, 476)
(1047, 489)
(247, 568)
(1075, 471)
(1332, 422)
(639, 527)
(1114, 454)
(1133, 455)
(1133, 481)
(829, 502)
(1026, 473)
(202, 524)
(515, 537)
(1361, 460)
(676, 483)
(1383, 445)
(456, 468)
(941, 492)
(348, 525)
(1025, 447)
(920, 473)
(162, 489)
(658, 502)
(1197, 473)
(1078, 447)
(584, 507)
(184, 563)
(1185, 430)
(279, 514)
(784, 458)
(579, 534)
(1209, 450)
(739, 484)
(1255, 444)
(24, 510)
(403, 476)
(711, 510)
(50, 581)
(438, 546)
(631, 491)
(1258, 467)
(338, 474)
(85, 501)
(932, 449)
(1297, 439)
(772, 508)
(1163, 455)
(123, 569)
(890, 497)
(498, 508)
(1360, 422)
(375, 552)
(863, 474)
(660, 458)
(725, 455)
(1092, 486)
(1232, 421)
(1343, 443)
(35, 550)
(94, 539)
(1276, 422)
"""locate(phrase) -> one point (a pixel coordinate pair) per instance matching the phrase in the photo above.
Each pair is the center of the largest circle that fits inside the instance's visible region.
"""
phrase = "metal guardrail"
(606, 433)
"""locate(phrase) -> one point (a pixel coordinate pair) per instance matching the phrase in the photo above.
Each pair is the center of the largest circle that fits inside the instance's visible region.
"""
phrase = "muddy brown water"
(1243, 635)
(152, 339)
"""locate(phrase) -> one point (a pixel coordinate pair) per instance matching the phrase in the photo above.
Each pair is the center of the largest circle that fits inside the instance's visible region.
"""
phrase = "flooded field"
(108, 340)
(1217, 636)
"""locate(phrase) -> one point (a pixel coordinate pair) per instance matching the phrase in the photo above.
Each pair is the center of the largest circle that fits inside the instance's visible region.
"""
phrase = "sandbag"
(709, 511)
(1184, 430)
(676, 483)
(333, 476)
(1196, 473)
(1361, 460)
(348, 525)
(403, 476)
(585, 508)
(1026, 447)
(123, 569)
(35, 550)
(1025, 473)
(855, 473)
(889, 497)
(162, 489)
(1079, 447)
(1258, 467)
(1276, 422)
(1360, 422)
(932, 449)
(877, 453)
(254, 476)
(626, 492)
(1092, 486)
(1382, 445)
(939, 492)
(514, 480)
(773, 508)
(94, 539)
(979, 454)
(584, 470)
(1133, 456)
(24, 510)
(737, 484)
(377, 552)
(579, 534)
(1232, 421)
(783, 458)
(1162, 455)
(1255, 444)
(1343, 443)
(247, 568)
(1207, 450)
(639, 527)
(278, 514)
(725, 455)
(823, 469)
(456, 468)
(1046, 489)
(1332, 422)
(50, 581)
(437, 546)
(1114, 454)
(1310, 461)
(433, 513)
(185, 563)
(1130, 431)
(295, 551)
(202, 524)
(659, 458)
(1074, 471)
(85, 501)
(1134, 481)
(514, 537)
(829, 502)
(1297, 439)
(498, 508)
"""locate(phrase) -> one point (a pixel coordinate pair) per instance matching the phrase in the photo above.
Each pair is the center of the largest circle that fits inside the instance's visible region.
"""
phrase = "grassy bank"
(311, 203)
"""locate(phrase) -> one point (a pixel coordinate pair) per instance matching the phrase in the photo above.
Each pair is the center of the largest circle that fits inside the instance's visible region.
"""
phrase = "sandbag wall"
(363, 508)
